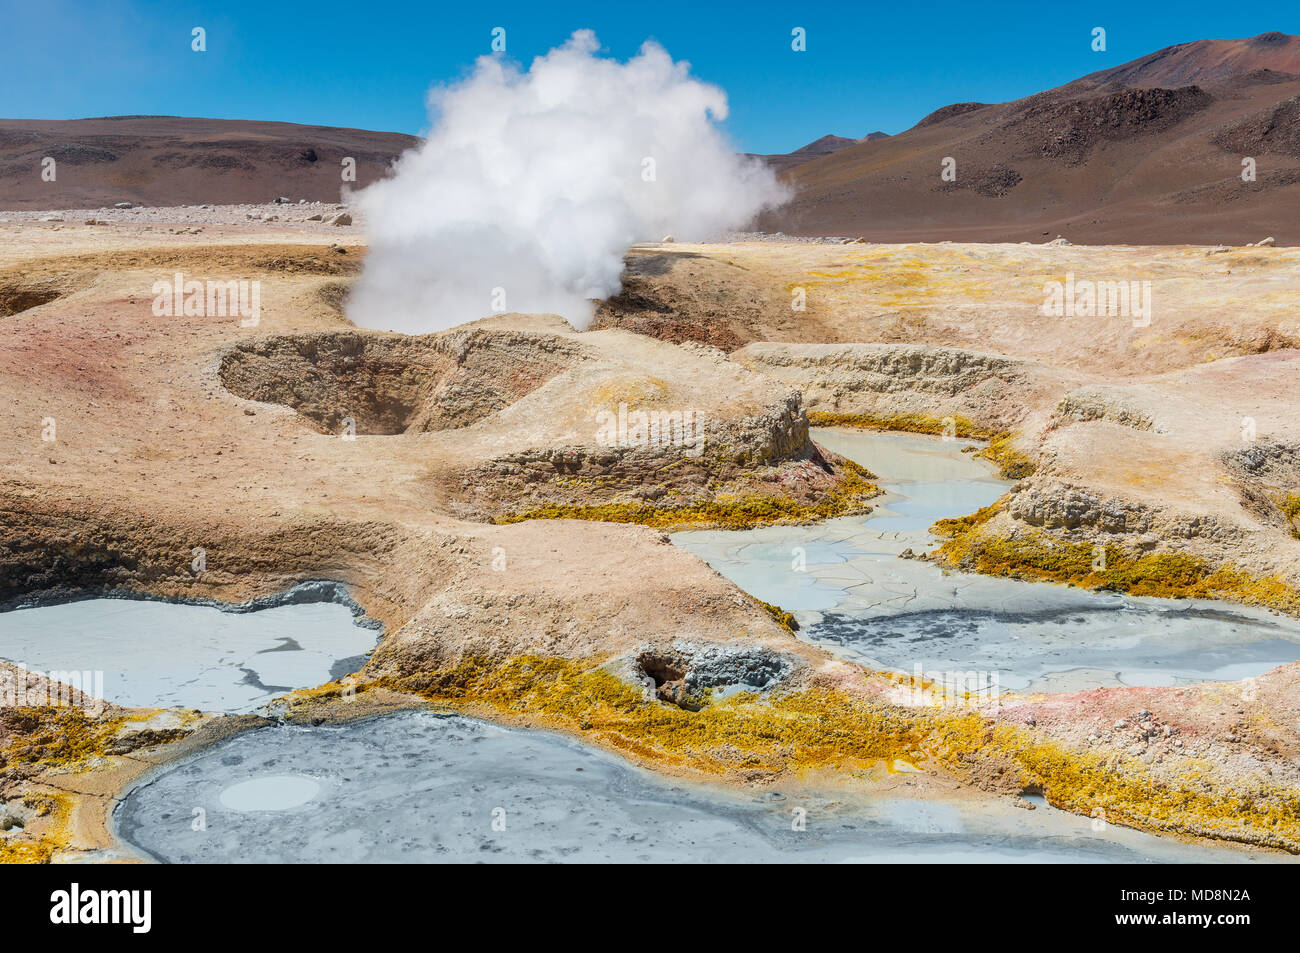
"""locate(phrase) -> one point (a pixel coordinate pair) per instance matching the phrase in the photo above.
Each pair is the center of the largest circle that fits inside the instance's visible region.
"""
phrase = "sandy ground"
(131, 440)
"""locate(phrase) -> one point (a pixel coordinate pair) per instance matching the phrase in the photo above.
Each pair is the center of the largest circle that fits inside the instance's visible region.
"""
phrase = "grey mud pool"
(420, 786)
(424, 786)
(142, 653)
(852, 594)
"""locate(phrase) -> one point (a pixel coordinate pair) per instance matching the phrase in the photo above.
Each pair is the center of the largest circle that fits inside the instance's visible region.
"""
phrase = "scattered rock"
(124, 205)
(1263, 243)
(667, 240)
(343, 218)
(1059, 241)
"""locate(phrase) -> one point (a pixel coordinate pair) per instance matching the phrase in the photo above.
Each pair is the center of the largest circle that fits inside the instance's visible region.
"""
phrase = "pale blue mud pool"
(852, 594)
(418, 787)
(155, 654)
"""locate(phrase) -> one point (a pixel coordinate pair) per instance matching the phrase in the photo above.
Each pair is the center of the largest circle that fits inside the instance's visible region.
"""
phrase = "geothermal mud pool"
(420, 786)
(156, 654)
(844, 582)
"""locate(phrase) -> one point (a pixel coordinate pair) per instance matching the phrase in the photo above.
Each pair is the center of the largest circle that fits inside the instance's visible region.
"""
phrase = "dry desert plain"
(522, 569)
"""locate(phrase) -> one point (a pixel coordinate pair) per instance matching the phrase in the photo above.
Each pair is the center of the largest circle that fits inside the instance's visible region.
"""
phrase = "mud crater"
(391, 383)
(17, 297)
(686, 674)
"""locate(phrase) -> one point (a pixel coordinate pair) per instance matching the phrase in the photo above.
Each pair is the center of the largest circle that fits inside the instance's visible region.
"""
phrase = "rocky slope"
(1147, 152)
(174, 160)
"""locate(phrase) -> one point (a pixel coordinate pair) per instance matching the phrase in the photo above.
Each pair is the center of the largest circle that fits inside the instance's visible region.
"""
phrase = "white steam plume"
(535, 184)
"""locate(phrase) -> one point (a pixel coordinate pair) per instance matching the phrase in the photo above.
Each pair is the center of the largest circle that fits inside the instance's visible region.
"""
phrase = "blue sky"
(868, 65)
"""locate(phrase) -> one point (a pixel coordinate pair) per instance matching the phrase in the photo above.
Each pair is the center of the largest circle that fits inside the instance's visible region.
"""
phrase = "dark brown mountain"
(169, 160)
(1147, 152)
(1206, 61)
(820, 147)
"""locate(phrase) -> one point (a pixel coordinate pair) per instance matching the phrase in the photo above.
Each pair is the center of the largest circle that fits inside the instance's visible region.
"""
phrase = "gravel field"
(309, 215)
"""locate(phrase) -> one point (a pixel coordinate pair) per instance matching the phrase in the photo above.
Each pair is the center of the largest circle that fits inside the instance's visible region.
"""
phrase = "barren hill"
(1148, 152)
(1207, 60)
(819, 147)
(170, 160)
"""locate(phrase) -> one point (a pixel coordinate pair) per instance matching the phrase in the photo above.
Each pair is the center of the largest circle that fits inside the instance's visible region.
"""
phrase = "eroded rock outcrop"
(887, 381)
